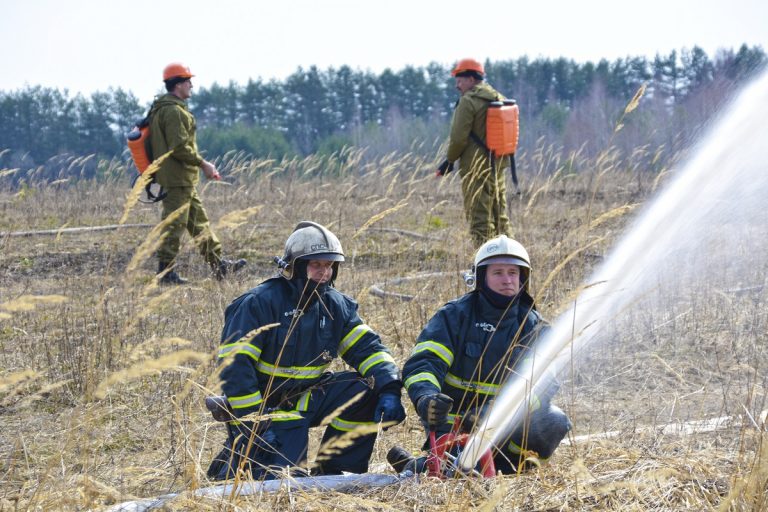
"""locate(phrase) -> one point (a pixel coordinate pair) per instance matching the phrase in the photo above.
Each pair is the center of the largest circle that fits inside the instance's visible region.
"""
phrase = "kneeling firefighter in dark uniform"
(279, 375)
(470, 347)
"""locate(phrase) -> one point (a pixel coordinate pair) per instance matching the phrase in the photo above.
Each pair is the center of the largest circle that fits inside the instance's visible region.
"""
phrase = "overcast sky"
(89, 45)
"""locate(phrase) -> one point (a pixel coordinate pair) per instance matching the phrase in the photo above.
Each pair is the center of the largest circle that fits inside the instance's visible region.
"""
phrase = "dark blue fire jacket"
(468, 349)
(293, 349)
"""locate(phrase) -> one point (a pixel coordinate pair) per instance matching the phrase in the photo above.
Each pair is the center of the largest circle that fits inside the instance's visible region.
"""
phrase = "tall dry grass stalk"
(150, 367)
(121, 366)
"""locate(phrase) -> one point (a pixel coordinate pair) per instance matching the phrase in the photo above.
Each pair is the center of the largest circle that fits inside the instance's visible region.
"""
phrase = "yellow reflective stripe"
(535, 402)
(294, 414)
(486, 388)
(514, 448)
(292, 372)
(281, 415)
(240, 348)
(438, 349)
(347, 426)
(303, 404)
(352, 337)
(241, 402)
(373, 360)
(423, 376)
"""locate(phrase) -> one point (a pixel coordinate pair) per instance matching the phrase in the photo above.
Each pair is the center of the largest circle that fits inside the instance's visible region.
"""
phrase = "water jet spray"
(719, 193)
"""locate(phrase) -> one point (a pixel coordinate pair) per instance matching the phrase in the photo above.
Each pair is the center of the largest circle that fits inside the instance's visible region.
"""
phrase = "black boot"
(170, 276)
(225, 267)
(401, 460)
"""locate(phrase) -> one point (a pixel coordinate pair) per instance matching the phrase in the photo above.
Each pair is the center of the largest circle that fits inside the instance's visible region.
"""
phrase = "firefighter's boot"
(401, 460)
(226, 267)
(168, 275)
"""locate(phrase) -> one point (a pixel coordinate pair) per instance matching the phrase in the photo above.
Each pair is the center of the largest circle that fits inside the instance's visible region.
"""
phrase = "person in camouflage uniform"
(172, 128)
(482, 184)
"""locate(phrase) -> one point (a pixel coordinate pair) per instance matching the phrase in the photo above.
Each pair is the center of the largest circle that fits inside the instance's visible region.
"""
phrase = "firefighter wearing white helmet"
(278, 342)
(472, 344)
(504, 250)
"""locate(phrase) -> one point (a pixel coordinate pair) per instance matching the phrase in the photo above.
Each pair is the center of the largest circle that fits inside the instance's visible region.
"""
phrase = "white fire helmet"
(503, 249)
(311, 241)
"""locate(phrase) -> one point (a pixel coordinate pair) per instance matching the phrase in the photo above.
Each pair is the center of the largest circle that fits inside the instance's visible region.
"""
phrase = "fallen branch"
(377, 290)
(403, 232)
(91, 229)
(84, 229)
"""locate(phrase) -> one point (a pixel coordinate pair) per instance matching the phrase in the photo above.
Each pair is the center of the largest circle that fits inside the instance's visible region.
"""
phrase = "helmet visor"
(509, 260)
(324, 256)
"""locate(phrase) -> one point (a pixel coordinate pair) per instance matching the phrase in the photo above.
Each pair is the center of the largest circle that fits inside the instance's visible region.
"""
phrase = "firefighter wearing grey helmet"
(278, 343)
(311, 241)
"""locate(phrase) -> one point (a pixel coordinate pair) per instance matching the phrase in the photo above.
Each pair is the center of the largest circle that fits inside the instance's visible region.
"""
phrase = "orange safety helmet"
(468, 65)
(176, 69)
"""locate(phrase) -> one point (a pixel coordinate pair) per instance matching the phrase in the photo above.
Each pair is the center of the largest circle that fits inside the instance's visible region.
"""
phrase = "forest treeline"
(569, 105)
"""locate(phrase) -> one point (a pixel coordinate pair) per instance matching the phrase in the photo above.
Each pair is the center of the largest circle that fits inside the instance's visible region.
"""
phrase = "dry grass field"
(103, 374)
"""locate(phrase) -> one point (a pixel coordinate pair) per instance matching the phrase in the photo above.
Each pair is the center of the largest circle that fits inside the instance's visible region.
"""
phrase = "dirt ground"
(104, 374)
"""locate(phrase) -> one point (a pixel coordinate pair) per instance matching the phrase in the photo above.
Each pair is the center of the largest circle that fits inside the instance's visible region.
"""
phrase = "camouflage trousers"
(192, 219)
(485, 202)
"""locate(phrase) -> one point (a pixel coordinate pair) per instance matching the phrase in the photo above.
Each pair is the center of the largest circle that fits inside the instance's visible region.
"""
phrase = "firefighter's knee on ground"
(547, 427)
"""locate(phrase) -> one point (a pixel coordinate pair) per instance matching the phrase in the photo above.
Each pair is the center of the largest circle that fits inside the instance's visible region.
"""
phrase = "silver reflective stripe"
(240, 348)
(241, 402)
(346, 426)
(373, 360)
(292, 372)
(486, 388)
(352, 337)
(438, 349)
(423, 376)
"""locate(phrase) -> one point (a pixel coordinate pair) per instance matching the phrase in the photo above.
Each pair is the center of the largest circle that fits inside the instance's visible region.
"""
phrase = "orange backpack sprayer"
(502, 130)
(502, 127)
(141, 152)
(138, 145)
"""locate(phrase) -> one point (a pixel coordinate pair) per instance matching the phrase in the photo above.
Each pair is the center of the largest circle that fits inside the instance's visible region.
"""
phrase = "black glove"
(389, 408)
(471, 418)
(444, 168)
(433, 409)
